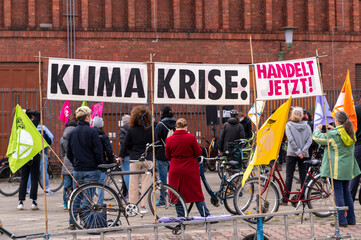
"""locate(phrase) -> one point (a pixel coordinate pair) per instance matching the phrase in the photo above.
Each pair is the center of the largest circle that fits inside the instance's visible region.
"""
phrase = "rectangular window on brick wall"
(358, 76)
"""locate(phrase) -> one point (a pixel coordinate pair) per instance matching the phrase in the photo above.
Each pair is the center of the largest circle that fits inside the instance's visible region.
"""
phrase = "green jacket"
(342, 146)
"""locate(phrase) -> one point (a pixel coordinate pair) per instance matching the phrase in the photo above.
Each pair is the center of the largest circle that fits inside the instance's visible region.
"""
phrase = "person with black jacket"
(108, 155)
(232, 130)
(166, 124)
(139, 134)
(33, 167)
(84, 150)
(124, 161)
(246, 124)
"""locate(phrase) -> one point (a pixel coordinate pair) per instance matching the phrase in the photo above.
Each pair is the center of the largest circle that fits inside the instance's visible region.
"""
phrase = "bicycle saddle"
(231, 163)
(313, 162)
(104, 167)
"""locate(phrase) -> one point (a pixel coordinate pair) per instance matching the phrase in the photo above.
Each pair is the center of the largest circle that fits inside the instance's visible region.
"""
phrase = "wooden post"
(152, 103)
(42, 143)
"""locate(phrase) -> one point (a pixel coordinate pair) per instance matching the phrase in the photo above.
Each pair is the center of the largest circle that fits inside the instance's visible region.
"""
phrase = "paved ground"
(27, 222)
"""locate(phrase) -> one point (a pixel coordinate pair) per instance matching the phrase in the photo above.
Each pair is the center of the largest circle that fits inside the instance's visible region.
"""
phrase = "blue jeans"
(343, 198)
(68, 183)
(356, 180)
(41, 172)
(163, 168)
(125, 167)
(201, 206)
(84, 177)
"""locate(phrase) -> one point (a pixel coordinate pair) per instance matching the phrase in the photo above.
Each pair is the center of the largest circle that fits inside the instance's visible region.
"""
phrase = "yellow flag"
(269, 138)
(345, 102)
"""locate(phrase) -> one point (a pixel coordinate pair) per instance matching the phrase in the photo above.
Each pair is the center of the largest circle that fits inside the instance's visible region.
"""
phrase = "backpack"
(170, 131)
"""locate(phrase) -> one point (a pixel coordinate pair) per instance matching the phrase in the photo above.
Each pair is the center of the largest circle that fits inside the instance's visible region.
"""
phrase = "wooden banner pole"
(42, 142)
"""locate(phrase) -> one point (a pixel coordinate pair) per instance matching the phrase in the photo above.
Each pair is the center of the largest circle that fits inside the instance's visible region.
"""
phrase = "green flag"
(25, 141)
(84, 104)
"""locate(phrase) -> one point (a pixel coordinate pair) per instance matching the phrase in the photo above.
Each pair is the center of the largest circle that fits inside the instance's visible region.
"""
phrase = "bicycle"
(226, 188)
(10, 182)
(316, 192)
(109, 207)
(245, 154)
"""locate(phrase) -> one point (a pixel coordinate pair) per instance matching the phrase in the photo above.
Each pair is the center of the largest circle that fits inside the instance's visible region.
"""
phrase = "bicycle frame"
(208, 188)
(282, 186)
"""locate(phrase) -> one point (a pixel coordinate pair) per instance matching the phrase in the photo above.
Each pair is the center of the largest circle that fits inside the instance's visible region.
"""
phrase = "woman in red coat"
(182, 149)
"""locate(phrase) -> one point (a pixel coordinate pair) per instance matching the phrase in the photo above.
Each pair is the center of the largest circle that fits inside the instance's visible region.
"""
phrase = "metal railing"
(206, 223)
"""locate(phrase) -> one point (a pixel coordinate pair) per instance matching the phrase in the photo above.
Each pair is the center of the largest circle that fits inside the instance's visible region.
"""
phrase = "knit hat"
(98, 122)
(82, 111)
(125, 119)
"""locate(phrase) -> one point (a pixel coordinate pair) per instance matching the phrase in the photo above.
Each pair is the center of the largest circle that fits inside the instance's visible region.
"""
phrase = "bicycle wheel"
(232, 184)
(56, 180)
(9, 182)
(246, 199)
(89, 210)
(319, 192)
(168, 198)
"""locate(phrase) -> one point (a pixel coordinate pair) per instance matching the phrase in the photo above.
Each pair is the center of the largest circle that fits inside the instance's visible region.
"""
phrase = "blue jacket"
(84, 150)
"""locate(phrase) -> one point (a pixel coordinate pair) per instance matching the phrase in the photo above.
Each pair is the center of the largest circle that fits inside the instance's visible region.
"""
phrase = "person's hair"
(140, 116)
(181, 123)
(296, 115)
(82, 112)
(309, 116)
(166, 112)
(343, 119)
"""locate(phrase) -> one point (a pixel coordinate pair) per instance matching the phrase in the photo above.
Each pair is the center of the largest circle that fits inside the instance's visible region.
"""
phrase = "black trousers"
(33, 167)
(290, 171)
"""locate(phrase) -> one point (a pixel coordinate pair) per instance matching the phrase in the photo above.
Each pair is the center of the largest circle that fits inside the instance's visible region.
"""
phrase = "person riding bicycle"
(232, 130)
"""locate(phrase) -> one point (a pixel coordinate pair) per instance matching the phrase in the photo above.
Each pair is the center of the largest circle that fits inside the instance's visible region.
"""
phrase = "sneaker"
(143, 210)
(21, 206)
(160, 203)
(49, 192)
(71, 227)
(34, 206)
(65, 206)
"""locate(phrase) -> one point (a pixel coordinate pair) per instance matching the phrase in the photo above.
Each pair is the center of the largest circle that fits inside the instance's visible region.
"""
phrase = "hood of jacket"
(346, 139)
(170, 122)
(67, 130)
(300, 127)
(232, 120)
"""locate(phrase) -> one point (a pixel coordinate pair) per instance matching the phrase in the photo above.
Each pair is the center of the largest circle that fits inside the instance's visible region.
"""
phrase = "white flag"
(253, 115)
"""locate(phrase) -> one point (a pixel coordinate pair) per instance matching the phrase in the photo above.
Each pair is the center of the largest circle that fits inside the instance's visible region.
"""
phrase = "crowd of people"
(84, 145)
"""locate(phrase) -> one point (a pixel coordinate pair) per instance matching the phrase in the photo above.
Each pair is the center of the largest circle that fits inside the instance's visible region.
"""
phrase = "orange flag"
(345, 102)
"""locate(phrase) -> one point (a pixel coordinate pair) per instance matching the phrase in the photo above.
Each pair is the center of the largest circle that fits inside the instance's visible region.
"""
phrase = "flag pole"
(328, 143)
(255, 138)
(152, 103)
(42, 143)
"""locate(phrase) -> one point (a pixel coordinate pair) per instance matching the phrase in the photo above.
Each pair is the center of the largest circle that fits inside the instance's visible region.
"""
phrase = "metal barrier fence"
(113, 112)
(207, 223)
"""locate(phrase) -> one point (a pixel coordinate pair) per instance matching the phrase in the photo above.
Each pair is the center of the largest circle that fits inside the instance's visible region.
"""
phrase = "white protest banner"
(207, 84)
(280, 80)
(100, 81)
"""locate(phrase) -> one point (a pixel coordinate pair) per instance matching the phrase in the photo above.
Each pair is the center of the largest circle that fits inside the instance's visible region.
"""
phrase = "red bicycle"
(315, 192)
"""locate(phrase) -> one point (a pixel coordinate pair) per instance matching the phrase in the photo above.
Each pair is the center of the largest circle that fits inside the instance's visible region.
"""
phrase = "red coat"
(182, 149)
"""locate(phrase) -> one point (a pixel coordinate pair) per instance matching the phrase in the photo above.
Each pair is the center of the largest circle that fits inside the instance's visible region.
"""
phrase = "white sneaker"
(143, 210)
(49, 192)
(21, 206)
(34, 207)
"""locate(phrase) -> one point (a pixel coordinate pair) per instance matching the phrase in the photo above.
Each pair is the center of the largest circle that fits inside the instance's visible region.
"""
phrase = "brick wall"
(208, 31)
